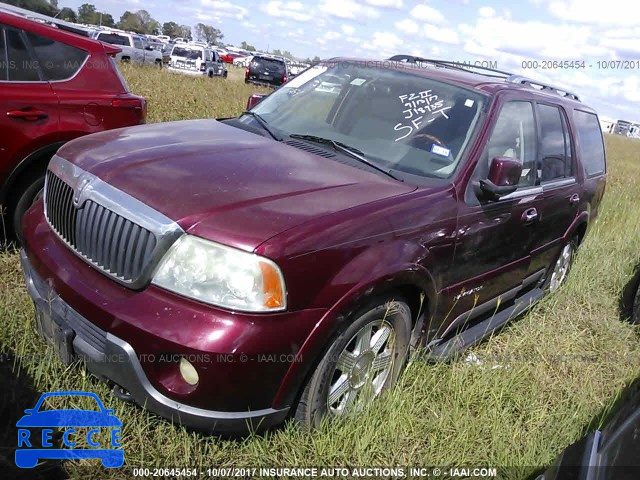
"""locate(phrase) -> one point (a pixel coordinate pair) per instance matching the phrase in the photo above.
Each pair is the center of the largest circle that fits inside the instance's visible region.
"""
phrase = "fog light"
(188, 372)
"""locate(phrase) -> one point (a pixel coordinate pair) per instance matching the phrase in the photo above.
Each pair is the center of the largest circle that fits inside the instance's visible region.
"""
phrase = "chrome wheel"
(561, 268)
(362, 369)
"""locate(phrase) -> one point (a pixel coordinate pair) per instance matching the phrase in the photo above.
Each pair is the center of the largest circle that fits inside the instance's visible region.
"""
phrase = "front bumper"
(250, 366)
(112, 359)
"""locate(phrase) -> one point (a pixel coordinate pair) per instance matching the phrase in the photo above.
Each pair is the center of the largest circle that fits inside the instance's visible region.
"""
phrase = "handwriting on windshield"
(421, 107)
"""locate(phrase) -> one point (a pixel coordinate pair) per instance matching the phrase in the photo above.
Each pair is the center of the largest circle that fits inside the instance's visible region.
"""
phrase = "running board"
(446, 350)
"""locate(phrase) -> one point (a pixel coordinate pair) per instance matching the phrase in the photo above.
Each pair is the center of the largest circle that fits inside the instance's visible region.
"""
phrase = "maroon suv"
(56, 85)
(284, 263)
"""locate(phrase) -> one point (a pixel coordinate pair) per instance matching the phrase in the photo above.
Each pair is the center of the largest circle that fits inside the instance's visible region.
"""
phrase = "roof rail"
(507, 76)
(448, 64)
(542, 86)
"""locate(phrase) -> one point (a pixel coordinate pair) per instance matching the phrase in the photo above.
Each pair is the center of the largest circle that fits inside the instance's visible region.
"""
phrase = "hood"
(224, 183)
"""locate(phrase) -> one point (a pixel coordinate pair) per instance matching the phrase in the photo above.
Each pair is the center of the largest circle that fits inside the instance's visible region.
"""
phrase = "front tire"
(362, 362)
(27, 198)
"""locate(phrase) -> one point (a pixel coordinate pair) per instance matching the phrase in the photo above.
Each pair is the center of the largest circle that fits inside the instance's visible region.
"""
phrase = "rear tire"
(559, 271)
(635, 315)
(27, 198)
(362, 362)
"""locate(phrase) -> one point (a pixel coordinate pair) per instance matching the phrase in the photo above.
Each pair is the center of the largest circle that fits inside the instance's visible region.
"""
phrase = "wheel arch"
(39, 159)
(578, 228)
(418, 289)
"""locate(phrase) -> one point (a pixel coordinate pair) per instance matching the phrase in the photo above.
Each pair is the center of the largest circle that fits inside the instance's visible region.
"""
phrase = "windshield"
(398, 120)
(189, 53)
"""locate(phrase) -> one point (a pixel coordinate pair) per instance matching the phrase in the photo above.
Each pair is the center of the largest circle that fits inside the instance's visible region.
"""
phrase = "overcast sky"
(461, 30)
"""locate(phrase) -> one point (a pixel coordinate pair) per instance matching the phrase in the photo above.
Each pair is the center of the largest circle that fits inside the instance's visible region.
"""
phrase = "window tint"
(591, 144)
(514, 136)
(188, 53)
(568, 146)
(114, 39)
(58, 61)
(22, 68)
(268, 64)
(4, 65)
(553, 162)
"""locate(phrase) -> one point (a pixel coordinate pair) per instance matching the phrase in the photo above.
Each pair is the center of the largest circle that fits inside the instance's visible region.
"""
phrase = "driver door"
(493, 239)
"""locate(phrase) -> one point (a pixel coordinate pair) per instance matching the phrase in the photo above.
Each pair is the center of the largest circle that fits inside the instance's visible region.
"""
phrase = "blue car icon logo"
(70, 422)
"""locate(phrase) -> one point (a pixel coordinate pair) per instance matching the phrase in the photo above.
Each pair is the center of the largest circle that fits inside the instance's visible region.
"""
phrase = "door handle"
(529, 216)
(28, 114)
(574, 199)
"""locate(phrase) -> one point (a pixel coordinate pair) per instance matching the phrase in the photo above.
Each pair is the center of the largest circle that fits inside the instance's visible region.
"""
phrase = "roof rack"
(541, 86)
(495, 73)
(448, 64)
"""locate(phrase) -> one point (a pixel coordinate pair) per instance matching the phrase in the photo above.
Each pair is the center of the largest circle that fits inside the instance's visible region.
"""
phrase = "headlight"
(222, 276)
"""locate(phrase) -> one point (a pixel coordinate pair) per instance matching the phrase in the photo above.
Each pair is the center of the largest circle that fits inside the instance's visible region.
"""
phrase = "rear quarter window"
(591, 143)
(58, 61)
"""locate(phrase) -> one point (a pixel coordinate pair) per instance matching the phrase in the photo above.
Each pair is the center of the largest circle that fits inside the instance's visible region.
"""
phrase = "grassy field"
(557, 369)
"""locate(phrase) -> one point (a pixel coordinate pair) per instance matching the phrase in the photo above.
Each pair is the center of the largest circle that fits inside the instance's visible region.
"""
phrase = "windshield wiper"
(341, 147)
(264, 124)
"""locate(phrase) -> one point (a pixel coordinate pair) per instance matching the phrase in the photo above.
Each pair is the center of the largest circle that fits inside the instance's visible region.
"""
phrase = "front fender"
(372, 273)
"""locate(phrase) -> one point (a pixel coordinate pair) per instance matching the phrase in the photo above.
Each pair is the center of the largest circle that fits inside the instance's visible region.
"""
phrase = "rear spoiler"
(111, 50)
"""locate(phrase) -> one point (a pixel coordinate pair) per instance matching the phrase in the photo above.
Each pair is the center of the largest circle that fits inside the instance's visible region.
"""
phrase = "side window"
(59, 61)
(137, 43)
(554, 163)
(591, 143)
(23, 67)
(4, 64)
(514, 136)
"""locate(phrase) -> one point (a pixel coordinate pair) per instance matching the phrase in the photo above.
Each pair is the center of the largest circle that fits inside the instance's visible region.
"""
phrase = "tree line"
(140, 21)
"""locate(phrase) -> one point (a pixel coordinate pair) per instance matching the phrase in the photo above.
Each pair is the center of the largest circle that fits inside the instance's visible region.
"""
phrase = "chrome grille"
(108, 240)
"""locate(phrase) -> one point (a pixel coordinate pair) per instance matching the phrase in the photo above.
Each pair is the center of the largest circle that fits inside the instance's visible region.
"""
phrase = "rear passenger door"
(558, 202)
(29, 114)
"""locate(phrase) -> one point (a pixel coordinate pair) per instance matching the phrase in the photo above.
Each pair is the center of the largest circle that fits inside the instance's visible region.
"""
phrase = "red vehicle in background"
(229, 57)
(56, 85)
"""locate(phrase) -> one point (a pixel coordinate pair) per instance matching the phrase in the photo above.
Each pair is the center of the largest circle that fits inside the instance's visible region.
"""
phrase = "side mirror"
(149, 48)
(255, 99)
(504, 175)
